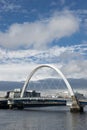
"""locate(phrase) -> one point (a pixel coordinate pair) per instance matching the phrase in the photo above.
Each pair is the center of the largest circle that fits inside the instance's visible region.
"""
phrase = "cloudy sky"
(34, 32)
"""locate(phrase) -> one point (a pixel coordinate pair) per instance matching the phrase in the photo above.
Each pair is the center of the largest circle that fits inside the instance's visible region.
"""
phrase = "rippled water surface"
(55, 118)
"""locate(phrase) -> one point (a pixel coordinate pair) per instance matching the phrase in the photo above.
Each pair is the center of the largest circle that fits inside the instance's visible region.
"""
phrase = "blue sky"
(34, 32)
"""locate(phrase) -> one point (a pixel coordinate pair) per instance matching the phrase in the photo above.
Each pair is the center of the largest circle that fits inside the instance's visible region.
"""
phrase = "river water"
(50, 118)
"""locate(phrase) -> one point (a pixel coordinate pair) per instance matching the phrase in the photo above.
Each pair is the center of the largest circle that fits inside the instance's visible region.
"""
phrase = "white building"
(16, 93)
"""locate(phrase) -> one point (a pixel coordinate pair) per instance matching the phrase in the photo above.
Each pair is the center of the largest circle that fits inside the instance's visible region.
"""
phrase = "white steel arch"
(52, 67)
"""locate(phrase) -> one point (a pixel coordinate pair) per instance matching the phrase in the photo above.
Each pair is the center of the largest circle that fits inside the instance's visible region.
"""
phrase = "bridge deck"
(36, 102)
(83, 102)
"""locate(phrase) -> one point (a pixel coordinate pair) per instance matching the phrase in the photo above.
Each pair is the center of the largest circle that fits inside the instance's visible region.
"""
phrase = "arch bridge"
(75, 104)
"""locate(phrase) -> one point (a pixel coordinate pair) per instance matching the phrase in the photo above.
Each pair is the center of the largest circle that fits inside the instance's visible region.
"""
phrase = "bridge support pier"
(75, 105)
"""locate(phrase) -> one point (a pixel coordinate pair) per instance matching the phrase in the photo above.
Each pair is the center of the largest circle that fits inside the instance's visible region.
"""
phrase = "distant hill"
(44, 84)
(10, 85)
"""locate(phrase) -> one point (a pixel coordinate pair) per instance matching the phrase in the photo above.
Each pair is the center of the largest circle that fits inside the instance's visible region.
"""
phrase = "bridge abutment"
(75, 105)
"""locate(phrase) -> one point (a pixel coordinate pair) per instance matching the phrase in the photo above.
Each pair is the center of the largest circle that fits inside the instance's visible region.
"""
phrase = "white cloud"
(75, 69)
(6, 6)
(40, 33)
(52, 55)
(20, 72)
(17, 65)
(82, 14)
(15, 72)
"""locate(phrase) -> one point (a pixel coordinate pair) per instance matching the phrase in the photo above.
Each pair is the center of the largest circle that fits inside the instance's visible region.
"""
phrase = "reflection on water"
(51, 118)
